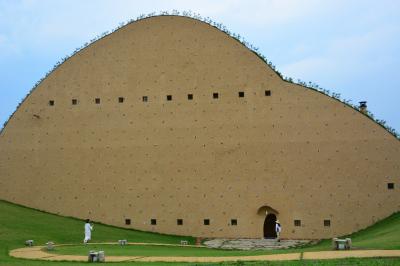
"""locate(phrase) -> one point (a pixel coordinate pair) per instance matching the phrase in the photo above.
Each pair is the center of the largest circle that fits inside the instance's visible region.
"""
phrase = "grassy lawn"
(158, 251)
(18, 224)
(383, 235)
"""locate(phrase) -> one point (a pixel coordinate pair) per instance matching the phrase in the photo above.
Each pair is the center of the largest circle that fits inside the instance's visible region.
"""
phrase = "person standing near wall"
(88, 231)
(278, 230)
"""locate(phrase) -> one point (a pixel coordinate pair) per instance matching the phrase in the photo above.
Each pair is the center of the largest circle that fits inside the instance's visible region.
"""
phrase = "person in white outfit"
(278, 230)
(88, 231)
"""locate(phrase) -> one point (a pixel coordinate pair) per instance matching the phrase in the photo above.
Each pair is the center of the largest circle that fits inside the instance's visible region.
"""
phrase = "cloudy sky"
(346, 46)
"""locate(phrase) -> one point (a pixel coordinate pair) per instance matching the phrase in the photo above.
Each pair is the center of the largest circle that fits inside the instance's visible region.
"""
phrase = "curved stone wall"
(168, 122)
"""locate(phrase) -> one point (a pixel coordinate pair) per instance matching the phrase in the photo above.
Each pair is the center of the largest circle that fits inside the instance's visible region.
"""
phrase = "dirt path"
(39, 253)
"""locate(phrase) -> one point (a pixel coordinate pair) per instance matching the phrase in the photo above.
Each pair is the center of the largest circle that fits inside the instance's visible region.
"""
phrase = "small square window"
(169, 97)
(127, 221)
(51, 102)
(233, 221)
(390, 185)
(241, 94)
(327, 223)
(268, 93)
(206, 221)
(215, 95)
(153, 221)
(121, 99)
(190, 96)
(179, 221)
(97, 100)
(145, 98)
(297, 222)
(74, 101)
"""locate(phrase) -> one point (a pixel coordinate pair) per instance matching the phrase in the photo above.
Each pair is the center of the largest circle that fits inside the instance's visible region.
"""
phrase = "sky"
(345, 46)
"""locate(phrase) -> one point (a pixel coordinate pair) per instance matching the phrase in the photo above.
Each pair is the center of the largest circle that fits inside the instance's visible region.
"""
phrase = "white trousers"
(87, 238)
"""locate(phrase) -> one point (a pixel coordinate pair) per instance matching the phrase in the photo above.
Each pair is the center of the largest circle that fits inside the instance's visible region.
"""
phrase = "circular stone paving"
(254, 244)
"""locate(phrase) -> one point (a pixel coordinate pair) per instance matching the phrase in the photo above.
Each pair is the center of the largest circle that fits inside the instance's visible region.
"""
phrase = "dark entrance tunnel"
(269, 226)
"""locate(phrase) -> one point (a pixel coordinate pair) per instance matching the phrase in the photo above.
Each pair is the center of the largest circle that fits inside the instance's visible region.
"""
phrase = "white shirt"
(88, 229)
(277, 228)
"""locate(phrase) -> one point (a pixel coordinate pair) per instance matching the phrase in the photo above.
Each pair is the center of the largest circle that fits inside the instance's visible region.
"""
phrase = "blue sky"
(349, 47)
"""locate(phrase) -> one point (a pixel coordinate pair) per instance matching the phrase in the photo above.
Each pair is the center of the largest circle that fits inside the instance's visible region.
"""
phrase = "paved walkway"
(254, 244)
(39, 253)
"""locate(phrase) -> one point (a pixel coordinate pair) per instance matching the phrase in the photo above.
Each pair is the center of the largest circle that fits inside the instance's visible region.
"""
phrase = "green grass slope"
(18, 224)
(384, 234)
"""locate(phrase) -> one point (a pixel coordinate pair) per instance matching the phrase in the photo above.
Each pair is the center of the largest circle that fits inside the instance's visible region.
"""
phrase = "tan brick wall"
(300, 152)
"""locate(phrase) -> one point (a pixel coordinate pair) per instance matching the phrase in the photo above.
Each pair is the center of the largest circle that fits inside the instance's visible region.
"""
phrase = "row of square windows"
(327, 223)
(215, 95)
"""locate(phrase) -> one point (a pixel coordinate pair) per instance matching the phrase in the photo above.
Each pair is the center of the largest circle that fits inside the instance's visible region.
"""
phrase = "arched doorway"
(269, 226)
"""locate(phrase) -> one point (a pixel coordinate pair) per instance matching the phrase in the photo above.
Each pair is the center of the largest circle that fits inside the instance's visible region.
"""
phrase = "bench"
(123, 242)
(50, 245)
(96, 256)
(341, 244)
(29, 243)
